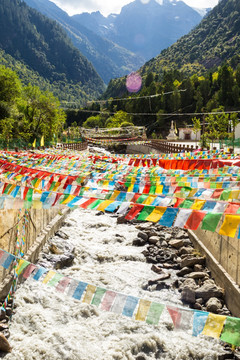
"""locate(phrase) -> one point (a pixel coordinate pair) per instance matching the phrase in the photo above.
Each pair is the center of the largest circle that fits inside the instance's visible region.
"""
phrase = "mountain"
(215, 40)
(41, 45)
(145, 29)
(109, 59)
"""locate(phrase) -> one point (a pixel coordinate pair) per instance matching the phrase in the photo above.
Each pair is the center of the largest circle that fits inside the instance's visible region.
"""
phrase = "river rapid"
(52, 326)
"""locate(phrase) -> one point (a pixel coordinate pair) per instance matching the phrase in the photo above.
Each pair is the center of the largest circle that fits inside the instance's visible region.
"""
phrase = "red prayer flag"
(134, 211)
(194, 220)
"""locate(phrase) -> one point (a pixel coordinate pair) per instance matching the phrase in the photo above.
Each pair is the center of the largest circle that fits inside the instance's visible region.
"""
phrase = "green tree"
(42, 115)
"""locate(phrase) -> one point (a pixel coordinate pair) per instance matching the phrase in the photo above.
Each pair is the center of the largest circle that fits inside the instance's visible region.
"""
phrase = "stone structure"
(172, 133)
(189, 134)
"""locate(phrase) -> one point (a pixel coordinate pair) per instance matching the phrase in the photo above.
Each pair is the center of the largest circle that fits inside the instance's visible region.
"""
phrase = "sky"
(107, 7)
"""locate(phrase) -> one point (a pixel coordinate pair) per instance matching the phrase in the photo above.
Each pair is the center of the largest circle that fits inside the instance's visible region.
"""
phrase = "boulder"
(152, 233)
(167, 236)
(54, 249)
(153, 239)
(185, 250)
(62, 234)
(121, 220)
(151, 259)
(190, 284)
(184, 271)
(213, 305)
(64, 260)
(138, 242)
(143, 235)
(197, 306)
(198, 267)
(164, 276)
(156, 269)
(164, 243)
(144, 226)
(181, 234)
(209, 290)
(162, 285)
(177, 243)
(4, 344)
(188, 295)
(197, 275)
(191, 261)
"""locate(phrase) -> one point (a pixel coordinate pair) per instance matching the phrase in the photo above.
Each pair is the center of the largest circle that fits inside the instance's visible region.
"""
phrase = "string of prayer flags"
(199, 322)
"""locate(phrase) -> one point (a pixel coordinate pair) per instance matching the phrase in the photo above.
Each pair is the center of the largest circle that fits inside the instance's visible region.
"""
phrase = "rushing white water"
(49, 325)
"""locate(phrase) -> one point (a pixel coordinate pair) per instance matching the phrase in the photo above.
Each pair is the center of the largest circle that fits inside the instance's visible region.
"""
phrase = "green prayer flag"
(95, 204)
(142, 198)
(55, 280)
(213, 185)
(64, 198)
(146, 211)
(186, 204)
(52, 185)
(225, 195)
(152, 190)
(29, 195)
(154, 313)
(210, 221)
(7, 188)
(231, 331)
(98, 296)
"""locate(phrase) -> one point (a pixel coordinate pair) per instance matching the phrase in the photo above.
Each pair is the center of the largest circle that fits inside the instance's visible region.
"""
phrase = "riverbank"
(50, 325)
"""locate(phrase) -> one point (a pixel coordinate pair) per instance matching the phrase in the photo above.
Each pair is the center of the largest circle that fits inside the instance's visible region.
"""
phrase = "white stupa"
(172, 133)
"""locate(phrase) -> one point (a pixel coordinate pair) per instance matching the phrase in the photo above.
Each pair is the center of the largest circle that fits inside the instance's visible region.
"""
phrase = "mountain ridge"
(145, 29)
(42, 45)
(109, 59)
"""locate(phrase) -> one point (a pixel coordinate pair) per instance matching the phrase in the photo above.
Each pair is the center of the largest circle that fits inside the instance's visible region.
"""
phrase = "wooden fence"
(74, 146)
(171, 147)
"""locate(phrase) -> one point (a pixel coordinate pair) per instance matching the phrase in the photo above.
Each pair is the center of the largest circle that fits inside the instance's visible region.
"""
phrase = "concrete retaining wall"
(42, 224)
(141, 149)
(223, 260)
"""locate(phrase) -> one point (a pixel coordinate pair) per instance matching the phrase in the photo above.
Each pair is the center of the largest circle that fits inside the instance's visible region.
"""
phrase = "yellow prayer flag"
(21, 262)
(37, 204)
(37, 183)
(105, 184)
(42, 141)
(34, 143)
(143, 309)
(56, 186)
(159, 189)
(104, 204)
(130, 188)
(229, 226)
(68, 199)
(214, 325)
(149, 200)
(156, 214)
(11, 189)
(192, 193)
(219, 185)
(114, 195)
(198, 204)
(89, 294)
(49, 276)
(234, 195)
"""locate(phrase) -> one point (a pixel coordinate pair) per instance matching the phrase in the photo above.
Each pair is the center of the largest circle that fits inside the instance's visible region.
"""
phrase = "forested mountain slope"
(109, 59)
(214, 40)
(42, 45)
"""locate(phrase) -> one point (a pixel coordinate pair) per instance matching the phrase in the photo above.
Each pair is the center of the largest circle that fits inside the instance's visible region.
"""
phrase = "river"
(48, 325)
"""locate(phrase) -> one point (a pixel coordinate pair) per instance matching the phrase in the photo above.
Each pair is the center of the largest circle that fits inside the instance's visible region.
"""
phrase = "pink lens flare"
(134, 82)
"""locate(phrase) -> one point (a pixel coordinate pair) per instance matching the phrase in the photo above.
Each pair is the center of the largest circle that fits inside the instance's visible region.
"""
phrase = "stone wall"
(223, 259)
(140, 149)
(40, 226)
